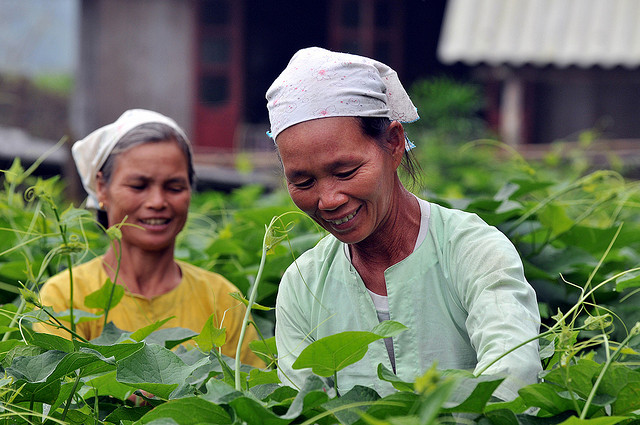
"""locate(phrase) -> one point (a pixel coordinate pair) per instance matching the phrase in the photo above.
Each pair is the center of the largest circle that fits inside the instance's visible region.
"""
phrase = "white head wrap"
(319, 83)
(91, 152)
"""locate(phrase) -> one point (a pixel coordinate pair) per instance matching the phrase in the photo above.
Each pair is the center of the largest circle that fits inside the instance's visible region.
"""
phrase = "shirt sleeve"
(292, 330)
(502, 307)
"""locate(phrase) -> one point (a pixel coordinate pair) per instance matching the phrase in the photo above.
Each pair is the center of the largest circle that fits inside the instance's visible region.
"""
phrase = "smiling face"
(339, 176)
(150, 186)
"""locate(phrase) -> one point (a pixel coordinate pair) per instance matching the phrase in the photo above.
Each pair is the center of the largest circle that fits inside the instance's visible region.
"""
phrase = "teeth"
(343, 220)
(155, 221)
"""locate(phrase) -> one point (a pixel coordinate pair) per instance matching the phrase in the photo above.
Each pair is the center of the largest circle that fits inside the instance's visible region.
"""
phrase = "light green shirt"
(462, 293)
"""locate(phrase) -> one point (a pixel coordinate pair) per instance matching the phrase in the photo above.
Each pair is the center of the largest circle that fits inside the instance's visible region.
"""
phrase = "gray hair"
(148, 133)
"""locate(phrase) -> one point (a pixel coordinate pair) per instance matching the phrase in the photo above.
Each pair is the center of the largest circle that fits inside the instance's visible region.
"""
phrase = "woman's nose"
(156, 199)
(330, 198)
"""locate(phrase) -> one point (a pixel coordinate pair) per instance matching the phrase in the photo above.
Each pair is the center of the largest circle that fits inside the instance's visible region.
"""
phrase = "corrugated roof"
(542, 32)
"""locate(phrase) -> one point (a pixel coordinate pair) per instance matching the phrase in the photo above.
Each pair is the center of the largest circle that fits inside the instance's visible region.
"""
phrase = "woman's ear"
(101, 188)
(396, 140)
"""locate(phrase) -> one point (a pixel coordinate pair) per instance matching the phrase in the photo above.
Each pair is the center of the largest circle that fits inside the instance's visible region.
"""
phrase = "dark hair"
(144, 133)
(376, 128)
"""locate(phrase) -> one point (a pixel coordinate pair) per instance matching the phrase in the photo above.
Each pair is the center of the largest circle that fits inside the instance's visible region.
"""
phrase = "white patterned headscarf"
(319, 83)
(91, 152)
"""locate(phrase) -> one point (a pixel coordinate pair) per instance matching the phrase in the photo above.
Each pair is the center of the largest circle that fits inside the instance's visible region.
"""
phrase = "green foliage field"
(576, 230)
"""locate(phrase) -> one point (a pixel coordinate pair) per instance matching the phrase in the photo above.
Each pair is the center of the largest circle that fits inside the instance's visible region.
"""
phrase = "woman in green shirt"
(456, 283)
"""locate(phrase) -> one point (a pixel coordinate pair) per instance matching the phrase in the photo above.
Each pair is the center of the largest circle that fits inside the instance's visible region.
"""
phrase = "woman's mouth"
(155, 221)
(344, 219)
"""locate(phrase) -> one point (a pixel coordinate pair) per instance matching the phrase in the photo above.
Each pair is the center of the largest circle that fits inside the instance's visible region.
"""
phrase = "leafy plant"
(577, 238)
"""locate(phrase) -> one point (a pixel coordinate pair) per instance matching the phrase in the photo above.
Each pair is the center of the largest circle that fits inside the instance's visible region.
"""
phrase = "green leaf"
(112, 335)
(107, 385)
(517, 188)
(545, 397)
(502, 417)
(356, 397)
(19, 350)
(392, 407)
(387, 375)
(554, 217)
(211, 336)
(170, 337)
(40, 375)
(311, 395)
(77, 417)
(64, 393)
(155, 369)
(516, 406)
(628, 280)
(607, 420)
(8, 345)
(15, 173)
(188, 411)
(472, 394)
(79, 316)
(228, 373)
(35, 368)
(333, 353)
(261, 377)
(100, 298)
(126, 413)
(225, 247)
(255, 306)
(389, 328)
(144, 332)
(48, 341)
(580, 376)
(253, 412)
(624, 383)
(265, 349)
(117, 351)
(431, 403)
(220, 392)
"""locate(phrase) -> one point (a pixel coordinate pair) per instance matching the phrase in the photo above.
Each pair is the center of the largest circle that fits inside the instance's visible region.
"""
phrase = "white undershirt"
(381, 302)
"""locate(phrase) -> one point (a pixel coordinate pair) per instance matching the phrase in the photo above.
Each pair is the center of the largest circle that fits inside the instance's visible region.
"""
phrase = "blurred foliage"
(59, 84)
(448, 109)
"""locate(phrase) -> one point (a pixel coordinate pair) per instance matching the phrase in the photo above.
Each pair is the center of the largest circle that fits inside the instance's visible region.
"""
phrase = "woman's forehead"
(163, 156)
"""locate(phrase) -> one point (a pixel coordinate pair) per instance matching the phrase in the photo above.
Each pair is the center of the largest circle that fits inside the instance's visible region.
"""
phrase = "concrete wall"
(134, 54)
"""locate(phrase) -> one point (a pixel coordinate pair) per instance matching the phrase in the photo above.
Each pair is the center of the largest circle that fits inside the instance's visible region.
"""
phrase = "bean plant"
(577, 237)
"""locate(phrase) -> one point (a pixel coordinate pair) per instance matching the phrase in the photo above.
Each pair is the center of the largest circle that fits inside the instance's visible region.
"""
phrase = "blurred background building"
(551, 68)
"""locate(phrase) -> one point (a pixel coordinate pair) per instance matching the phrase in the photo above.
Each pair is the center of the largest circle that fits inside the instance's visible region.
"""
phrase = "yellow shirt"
(199, 294)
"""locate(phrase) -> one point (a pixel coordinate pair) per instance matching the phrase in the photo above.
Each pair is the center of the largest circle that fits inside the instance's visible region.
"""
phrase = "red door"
(219, 81)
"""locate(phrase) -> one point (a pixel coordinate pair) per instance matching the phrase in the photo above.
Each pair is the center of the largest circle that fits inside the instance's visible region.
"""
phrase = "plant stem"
(252, 299)
(115, 282)
(63, 233)
(266, 246)
(73, 391)
(61, 325)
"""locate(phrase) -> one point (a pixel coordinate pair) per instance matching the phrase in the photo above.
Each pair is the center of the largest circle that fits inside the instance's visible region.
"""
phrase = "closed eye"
(347, 174)
(177, 188)
(305, 184)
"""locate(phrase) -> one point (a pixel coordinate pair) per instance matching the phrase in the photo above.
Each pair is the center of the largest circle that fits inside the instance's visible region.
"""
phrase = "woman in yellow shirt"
(139, 170)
